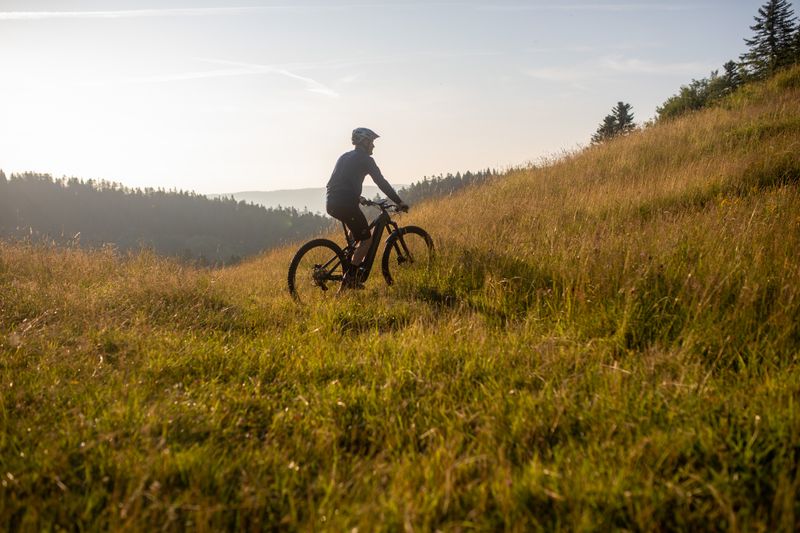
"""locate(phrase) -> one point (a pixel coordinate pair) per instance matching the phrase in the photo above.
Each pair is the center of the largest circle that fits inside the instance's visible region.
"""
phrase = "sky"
(222, 96)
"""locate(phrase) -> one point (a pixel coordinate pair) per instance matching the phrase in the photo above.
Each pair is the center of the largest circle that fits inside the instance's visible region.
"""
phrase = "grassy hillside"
(609, 342)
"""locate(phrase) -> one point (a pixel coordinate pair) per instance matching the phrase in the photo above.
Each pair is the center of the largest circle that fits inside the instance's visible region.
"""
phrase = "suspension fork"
(400, 246)
(391, 227)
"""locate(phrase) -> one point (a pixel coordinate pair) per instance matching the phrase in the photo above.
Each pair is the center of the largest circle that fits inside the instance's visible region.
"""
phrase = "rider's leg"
(357, 225)
(351, 278)
(361, 251)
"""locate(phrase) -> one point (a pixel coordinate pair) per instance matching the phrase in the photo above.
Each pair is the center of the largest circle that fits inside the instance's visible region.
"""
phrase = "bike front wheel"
(408, 254)
(316, 270)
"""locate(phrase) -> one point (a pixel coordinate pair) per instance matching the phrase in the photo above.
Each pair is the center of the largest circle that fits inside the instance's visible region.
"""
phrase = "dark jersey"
(345, 184)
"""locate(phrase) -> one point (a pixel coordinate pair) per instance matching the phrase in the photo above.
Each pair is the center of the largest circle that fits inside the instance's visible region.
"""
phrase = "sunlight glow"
(222, 99)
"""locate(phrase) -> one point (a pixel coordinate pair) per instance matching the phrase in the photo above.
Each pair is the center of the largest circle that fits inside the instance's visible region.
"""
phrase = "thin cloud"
(638, 66)
(143, 13)
(346, 80)
(237, 69)
(206, 11)
(221, 11)
(584, 48)
(592, 7)
(612, 65)
(312, 85)
(561, 74)
(360, 62)
(189, 76)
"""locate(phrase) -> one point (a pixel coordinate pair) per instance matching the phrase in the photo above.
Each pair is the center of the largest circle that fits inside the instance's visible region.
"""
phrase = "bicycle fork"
(403, 253)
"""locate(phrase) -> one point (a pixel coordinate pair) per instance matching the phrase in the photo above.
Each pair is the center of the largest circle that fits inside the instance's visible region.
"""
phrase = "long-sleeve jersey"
(348, 177)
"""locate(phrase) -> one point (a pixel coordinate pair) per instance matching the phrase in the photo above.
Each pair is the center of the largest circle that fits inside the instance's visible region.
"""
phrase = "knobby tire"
(395, 254)
(329, 257)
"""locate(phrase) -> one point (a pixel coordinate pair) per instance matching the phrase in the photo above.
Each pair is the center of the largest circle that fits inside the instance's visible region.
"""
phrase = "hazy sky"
(224, 96)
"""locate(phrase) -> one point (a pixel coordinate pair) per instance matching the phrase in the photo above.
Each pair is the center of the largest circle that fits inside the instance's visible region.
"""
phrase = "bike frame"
(382, 222)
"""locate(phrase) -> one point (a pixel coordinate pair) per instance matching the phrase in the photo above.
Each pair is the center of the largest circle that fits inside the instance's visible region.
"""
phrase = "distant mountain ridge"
(310, 199)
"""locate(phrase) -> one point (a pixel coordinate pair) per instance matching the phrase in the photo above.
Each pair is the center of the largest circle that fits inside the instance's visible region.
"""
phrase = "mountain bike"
(318, 267)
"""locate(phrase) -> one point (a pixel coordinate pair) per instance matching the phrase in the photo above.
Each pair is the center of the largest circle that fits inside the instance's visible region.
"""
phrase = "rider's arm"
(380, 181)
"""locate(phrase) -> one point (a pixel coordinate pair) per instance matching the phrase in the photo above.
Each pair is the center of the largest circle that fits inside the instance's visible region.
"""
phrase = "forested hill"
(176, 223)
(204, 230)
(443, 185)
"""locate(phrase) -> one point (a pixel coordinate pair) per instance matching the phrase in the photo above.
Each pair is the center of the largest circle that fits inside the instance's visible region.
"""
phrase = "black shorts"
(352, 217)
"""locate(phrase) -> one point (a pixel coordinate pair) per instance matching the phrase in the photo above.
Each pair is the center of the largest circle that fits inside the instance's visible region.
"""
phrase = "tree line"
(175, 223)
(443, 185)
(774, 46)
(182, 224)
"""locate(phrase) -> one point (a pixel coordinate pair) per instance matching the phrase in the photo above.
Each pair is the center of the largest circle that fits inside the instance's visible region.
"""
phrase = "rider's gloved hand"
(402, 206)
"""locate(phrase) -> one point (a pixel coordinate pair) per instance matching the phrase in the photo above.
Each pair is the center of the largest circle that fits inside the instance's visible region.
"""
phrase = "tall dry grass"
(607, 342)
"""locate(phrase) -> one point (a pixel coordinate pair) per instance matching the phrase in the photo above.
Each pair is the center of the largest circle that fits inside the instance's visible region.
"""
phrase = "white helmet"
(363, 134)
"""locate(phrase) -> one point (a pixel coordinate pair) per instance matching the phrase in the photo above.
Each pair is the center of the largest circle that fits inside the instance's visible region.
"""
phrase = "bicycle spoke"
(315, 273)
(407, 256)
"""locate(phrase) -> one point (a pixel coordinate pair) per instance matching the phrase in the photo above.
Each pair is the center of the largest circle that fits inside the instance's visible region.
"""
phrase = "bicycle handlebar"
(384, 205)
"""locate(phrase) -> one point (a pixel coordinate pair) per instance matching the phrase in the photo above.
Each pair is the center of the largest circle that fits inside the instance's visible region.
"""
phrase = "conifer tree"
(619, 122)
(796, 45)
(732, 76)
(624, 115)
(772, 46)
(606, 130)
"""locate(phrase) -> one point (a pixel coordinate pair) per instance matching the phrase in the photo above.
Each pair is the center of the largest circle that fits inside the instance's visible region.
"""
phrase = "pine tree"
(606, 130)
(772, 46)
(624, 114)
(796, 46)
(732, 76)
(619, 122)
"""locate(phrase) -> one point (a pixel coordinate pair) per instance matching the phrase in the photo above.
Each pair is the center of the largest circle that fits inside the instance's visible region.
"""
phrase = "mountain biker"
(344, 191)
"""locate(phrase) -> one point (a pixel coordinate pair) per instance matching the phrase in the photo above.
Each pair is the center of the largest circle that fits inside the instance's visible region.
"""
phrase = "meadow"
(609, 340)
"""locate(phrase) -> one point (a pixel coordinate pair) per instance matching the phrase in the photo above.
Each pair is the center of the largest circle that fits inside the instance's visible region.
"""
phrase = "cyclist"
(344, 191)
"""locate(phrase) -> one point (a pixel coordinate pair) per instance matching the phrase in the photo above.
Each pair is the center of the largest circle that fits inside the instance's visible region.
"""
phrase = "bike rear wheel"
(316, 271)
(408, 254)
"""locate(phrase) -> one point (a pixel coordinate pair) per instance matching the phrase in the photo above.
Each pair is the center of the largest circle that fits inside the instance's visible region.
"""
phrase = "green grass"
(612, 344)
